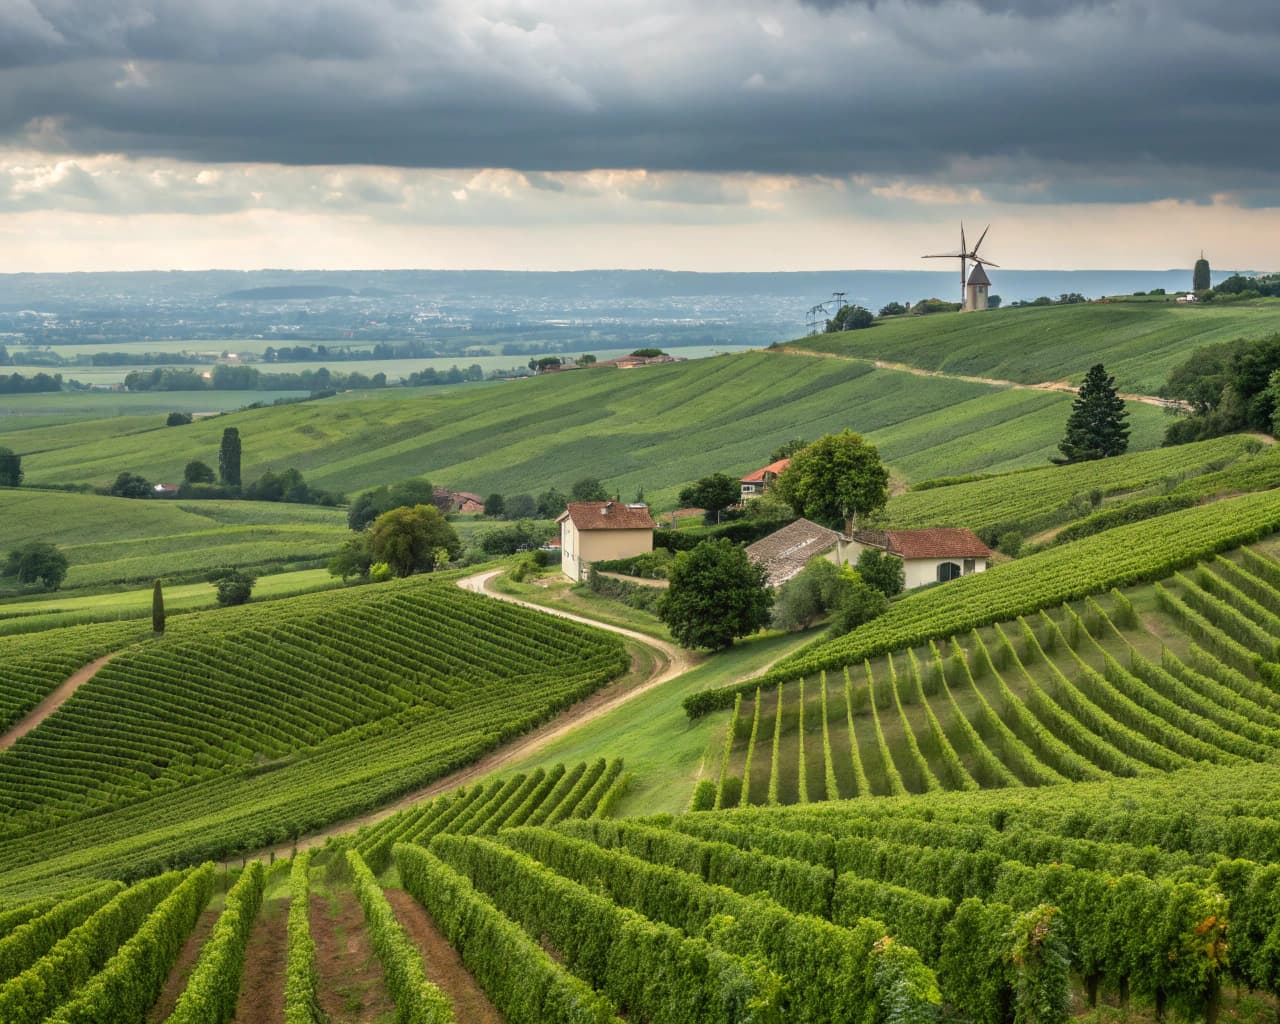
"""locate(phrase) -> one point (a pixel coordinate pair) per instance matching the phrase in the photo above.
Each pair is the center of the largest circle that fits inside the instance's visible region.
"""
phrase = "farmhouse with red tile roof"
(929, 556)
(595, 531)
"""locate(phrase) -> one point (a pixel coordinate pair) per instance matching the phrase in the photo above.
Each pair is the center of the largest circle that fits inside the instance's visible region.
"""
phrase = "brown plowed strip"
(262, 987)
(177, 980)
(54, 701)
(443, 965)
(353, 987)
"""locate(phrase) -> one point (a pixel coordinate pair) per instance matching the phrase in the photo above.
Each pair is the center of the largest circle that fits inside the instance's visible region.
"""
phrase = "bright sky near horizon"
(567, 134)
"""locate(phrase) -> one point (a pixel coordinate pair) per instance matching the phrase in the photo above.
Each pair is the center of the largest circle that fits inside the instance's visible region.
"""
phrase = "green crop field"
(1138, 342)
(1035, 499)
(111, 541)
(654, 429)
(1153, 679)
(248, 725)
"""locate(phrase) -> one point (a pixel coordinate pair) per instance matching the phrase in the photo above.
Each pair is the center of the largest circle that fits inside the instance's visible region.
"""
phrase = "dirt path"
(353, 986)
(177, 980)
(995, 382)
(55, 700)
(262, 987)
(443, 965)
(670, 662)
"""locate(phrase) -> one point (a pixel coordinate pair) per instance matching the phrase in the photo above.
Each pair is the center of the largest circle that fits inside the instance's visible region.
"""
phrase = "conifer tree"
(1200, 276)
(229, 457)
(157, 608)
(1098, 426)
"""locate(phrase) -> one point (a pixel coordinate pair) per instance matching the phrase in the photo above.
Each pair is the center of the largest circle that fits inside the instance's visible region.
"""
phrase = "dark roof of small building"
(785, 552)
(978, 275)
(939, 542)
(607, 515)
(774, 467)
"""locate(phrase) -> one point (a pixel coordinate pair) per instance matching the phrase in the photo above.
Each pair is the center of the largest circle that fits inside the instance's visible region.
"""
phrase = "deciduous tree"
(715, 594)
(196, 472)
(588, 489)
(408, 539)
(714, 493)
(835, 480)
(882, 570)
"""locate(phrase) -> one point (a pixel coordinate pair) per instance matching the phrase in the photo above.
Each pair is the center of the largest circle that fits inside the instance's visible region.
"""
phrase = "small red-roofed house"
(596, 531)
(928, 556)
(755, 484)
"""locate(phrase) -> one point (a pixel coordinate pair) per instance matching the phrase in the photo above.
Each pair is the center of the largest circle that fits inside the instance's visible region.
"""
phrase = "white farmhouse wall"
(920, 571)
(580, 548)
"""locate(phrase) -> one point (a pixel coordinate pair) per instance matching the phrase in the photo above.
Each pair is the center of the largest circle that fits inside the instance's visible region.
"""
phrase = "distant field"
(24, 412)
(654, 429)
(117, 540)
(1138, 342)
(395, 369)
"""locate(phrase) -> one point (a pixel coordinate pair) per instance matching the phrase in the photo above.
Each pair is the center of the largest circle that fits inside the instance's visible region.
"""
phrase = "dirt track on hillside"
(995, 382)
(53, 701)
(670, 662)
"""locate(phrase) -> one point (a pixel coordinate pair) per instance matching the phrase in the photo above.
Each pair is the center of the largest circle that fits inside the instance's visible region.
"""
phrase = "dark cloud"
(1056, 100)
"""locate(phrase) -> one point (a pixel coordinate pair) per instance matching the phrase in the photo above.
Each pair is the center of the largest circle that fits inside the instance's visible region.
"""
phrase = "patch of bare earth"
(353, 987)
(443, 965)
(176, 983)
(262, 987)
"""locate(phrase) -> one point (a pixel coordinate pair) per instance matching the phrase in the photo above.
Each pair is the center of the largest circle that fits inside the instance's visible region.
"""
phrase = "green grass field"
(111, 541)
(67, 610)
(1138, 342)
(654, 429)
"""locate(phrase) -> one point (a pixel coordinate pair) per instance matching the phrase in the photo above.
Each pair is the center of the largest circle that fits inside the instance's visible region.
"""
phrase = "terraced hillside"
(1036, 499)
(947, 906)
(1154, 679)
(119, 540)
(246, 726)
(1138, 342)
(654, 429)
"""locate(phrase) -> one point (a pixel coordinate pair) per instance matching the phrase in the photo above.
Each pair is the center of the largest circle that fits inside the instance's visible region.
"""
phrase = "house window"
(948, 571)
(970, 565)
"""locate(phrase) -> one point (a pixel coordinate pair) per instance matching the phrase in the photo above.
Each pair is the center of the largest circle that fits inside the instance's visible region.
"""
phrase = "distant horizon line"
(604, 270)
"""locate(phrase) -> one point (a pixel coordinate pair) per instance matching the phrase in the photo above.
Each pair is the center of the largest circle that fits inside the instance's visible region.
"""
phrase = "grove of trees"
(413, 539)
(1229, 387)
(37, 562)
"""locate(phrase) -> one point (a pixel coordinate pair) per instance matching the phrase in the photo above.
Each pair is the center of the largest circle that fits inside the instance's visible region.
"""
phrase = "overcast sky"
(707, 135)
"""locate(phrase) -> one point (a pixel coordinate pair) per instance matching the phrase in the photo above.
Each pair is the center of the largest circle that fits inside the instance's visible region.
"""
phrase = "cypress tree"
(229, 457)
(1098, 425)
(157, 608)
(1200, 276)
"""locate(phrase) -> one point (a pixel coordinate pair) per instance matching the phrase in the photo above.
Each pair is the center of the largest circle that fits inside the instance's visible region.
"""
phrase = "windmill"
(973, 292)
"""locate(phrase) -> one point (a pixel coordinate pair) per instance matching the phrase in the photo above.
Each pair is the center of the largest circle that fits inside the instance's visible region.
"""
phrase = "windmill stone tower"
(975, 291)
(974, 286)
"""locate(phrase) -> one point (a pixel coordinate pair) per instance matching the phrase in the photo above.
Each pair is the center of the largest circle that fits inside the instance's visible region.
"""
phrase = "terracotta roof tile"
(940, 542)
(785, 552)
(607, 515)
(774, 467)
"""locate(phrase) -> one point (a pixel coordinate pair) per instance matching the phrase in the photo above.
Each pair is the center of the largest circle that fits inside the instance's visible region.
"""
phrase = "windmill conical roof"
(978, 275)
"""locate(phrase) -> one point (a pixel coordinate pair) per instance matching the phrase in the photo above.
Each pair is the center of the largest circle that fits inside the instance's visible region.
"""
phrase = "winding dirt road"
(670, 662)
(53, 701)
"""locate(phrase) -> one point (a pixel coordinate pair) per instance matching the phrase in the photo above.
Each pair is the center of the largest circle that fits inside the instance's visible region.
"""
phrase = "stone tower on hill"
(976, 289)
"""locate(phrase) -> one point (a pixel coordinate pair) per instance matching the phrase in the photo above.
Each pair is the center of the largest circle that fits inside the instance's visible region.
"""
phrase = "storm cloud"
(1028, 100)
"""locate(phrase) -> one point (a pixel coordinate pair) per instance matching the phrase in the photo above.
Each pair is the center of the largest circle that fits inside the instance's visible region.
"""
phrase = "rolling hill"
(655, 429)
(1138, 342)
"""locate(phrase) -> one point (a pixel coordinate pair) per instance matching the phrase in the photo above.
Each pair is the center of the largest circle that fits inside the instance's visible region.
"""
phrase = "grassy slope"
(1138, 342)
(667, 752)
(110, 540)
(652, 429)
